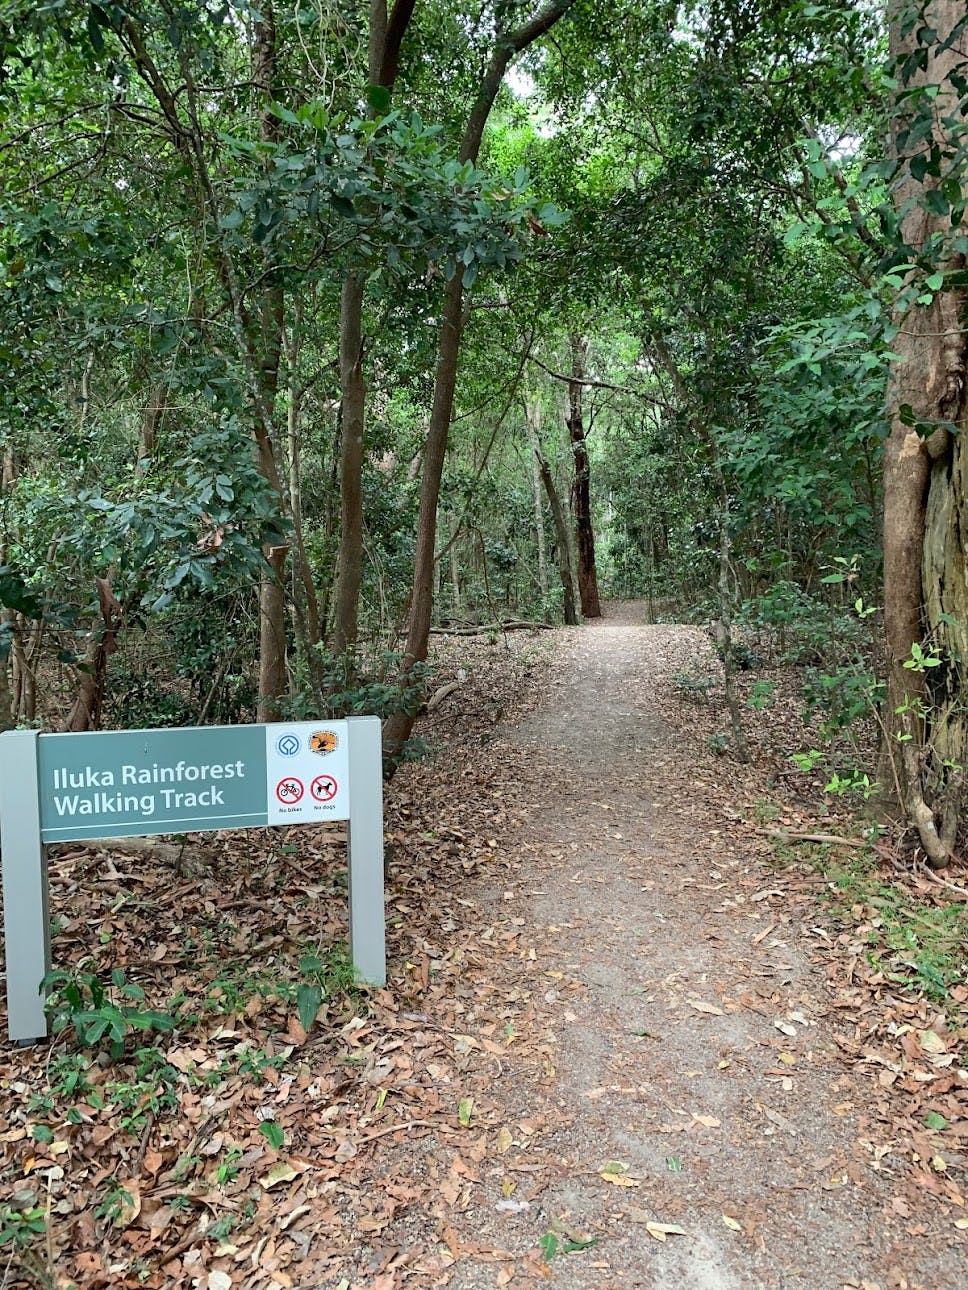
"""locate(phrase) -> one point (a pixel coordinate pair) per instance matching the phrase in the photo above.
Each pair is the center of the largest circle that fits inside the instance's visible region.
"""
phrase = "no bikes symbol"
(289, 790)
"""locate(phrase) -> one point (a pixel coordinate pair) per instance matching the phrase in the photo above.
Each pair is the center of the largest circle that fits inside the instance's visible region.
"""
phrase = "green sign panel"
(139, 782)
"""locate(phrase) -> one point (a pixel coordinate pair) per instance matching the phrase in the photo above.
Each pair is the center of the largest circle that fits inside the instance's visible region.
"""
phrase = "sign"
(126, 783)
(140, 782)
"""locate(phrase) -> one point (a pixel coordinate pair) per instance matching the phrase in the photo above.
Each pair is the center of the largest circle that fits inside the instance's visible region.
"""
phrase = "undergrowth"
(913, 943)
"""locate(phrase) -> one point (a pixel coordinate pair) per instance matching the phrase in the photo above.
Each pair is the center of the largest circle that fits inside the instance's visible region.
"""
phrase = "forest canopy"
(327, 325)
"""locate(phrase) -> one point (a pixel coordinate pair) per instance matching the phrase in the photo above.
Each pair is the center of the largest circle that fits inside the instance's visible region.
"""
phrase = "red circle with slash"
(324, 788)
(289, 790)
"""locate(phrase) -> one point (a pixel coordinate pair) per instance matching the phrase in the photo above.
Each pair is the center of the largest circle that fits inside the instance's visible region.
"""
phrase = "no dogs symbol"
(323, 788)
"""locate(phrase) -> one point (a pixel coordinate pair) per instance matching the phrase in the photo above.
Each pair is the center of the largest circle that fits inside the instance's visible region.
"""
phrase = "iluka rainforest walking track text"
(146, 804)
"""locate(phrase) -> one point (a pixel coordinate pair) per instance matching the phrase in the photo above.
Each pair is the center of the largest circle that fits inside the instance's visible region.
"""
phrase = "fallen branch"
(171, 853)
(438, 696)
(512, 625)
(833, 838)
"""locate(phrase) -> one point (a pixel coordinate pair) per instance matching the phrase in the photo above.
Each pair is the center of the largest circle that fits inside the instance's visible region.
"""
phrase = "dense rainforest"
(327, 325)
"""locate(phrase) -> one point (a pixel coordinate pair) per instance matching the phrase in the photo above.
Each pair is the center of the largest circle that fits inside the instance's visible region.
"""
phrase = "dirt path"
(621, 1045)
(692, 1115)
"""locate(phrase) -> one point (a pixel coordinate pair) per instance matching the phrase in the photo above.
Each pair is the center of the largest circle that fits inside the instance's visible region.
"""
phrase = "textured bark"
(150, 425)
(273, 678)
(506, 46)
(581, 485)
(924, 492)
(386, 35)
(349, 564)
(563, 542)
(85, 713)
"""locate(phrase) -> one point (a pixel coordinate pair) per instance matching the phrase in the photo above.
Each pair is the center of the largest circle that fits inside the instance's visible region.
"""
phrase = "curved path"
(695, 1120)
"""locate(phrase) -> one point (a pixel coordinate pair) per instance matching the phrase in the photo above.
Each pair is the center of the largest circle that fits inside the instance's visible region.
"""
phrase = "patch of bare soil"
(620, 1046)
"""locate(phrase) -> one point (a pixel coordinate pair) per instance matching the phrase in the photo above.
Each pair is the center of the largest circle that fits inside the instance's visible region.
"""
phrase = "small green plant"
(322, 977)
(851, 784)
(762, 695)
(19, 1228)
(227, 1170)
(151, 1090)
(111, 1206)
(99, 1014)
(718, 743)
(807, 761)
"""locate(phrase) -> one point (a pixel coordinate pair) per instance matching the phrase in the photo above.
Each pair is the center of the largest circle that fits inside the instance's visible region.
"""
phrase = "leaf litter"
(432, 1133)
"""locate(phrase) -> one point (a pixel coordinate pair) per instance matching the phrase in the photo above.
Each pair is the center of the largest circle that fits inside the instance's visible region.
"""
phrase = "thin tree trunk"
(349, 564)
(385, 38)
(506, 46)
(272, 635)
(581, 485)
(562, 542)
(532, 420)
(273, 677)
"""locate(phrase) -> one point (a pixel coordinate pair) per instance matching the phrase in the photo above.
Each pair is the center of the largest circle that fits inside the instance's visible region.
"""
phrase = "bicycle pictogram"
(289, 790)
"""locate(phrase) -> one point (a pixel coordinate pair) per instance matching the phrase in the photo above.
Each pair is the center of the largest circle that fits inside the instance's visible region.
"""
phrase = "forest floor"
(631, 1037)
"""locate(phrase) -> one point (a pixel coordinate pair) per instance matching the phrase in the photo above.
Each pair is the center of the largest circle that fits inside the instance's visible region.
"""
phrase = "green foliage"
(97, 1014)
(841, 696)
(914, 944)
(19, 1228)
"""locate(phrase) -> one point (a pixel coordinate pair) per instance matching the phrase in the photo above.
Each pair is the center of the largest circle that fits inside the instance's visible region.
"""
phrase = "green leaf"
(933, 1120)
(308, 999)
(549, 1246)
(935, 282)
(273, 1134)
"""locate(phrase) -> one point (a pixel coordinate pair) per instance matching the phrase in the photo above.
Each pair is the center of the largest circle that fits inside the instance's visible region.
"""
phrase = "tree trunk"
(563, 542)
(386, 35)
(532, 420)
(273, 675)
(581, 486)
(506, 46)
(349, 563)
(924, 472)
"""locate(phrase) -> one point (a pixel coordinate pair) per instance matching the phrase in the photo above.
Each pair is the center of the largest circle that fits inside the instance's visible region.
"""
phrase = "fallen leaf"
(219, 1281)
(281, 1172)
(732, 1224)
(707, 1121)
(661, 1230)
(709, 1008)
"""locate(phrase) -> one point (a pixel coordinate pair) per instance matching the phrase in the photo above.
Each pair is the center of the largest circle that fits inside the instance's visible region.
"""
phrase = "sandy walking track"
(693, 1079)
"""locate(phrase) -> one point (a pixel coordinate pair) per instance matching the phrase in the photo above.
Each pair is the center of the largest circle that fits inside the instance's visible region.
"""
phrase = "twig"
(833, 838)
(394, 1128)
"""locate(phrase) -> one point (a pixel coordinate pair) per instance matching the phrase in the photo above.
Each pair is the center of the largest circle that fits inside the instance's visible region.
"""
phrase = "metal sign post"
(134, 783)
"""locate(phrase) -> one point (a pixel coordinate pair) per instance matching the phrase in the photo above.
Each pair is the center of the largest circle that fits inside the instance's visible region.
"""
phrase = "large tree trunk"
(581, 486)
(925, 532)
(506, 46)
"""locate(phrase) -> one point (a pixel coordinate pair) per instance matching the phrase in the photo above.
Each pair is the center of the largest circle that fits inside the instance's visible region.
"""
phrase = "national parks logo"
(322, 742)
